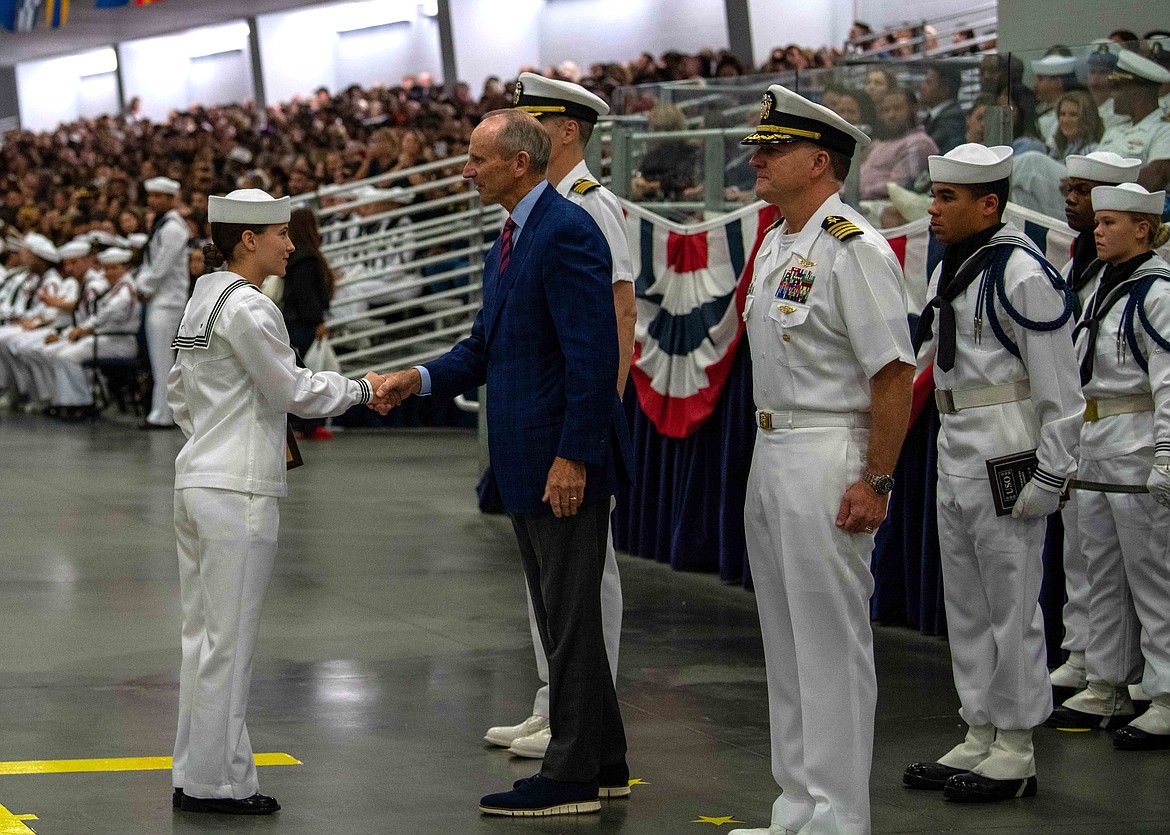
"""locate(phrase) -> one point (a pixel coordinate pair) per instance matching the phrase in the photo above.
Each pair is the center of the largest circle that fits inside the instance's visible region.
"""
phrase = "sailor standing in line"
(232, 386)
(162, 283)
(832, 369)
(1006, 382)
(1082, 273)
(1124, 342)
(568, 113)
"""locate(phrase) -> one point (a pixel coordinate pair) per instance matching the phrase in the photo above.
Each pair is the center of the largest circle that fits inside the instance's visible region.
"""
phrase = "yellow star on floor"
(638, 781)
(716, 821)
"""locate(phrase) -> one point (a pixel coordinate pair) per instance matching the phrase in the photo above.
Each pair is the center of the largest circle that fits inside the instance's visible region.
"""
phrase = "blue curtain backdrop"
(687, 510)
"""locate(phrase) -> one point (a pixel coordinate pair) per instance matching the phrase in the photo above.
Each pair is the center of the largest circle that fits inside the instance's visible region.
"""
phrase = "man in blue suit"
(545, 343)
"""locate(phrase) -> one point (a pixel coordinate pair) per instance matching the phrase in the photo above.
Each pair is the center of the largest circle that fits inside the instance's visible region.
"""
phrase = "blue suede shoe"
(538, 796)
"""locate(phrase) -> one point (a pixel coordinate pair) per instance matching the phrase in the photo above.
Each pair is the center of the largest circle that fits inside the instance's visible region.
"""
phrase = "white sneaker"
(534, 745)
(505, 735)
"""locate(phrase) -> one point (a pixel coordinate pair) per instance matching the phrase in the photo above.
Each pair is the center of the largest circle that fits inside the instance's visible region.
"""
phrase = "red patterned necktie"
(506, 245)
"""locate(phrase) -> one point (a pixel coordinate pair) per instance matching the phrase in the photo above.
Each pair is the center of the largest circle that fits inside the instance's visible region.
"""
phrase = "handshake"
(392, 389)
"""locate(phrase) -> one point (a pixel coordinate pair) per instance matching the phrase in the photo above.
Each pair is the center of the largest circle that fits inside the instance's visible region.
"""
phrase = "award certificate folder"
(292, 452)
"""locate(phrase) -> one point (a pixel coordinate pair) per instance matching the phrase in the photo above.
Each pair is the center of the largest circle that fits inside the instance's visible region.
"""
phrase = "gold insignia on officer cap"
(788, 117)
(542, 96)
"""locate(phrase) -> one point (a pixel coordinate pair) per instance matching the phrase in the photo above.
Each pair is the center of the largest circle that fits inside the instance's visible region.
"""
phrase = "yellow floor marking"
(637, 781)
(11, 824)
(115, 764)
(716, 821)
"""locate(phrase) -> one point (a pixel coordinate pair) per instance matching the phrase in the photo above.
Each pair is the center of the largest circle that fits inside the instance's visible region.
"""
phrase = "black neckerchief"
(1084, 261)
(154, 227)
(1103, 301)
(952, 281)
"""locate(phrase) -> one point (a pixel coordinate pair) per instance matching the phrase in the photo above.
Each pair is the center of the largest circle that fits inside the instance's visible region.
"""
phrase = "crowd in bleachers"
(84, 182)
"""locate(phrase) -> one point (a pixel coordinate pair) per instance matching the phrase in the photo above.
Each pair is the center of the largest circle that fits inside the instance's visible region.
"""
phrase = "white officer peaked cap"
(1055, 65)
(542, 96)
(786, 117)
(971, 163)
(1128, 197)
(137, 239)
(74, 249)
(1138, 68)
(116, 255)
(1103, 167)
(162, 185)
(40, 246)
(249, 205)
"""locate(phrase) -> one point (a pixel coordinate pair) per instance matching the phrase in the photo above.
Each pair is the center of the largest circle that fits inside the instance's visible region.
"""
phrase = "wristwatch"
(881, 484)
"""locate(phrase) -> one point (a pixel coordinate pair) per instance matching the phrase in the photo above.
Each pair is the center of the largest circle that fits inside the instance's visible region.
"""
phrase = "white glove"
(1159, 481)
(1035, 502)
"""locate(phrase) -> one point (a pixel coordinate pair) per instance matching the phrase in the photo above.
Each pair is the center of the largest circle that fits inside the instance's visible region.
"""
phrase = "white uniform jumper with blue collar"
(1126, 537)
(825, 313)
(1005, 401)
(234, 381)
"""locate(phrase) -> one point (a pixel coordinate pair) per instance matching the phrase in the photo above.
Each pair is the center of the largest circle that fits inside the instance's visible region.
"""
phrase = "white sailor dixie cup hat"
(1103, 167)
(137, 239)
(115, 255)
(74, 249)
(542, 96)
(40, 246)
(971, 163)
(1128, 197)
(1055, 65)
(787, 117)
(250, 206)
(162, 185)
(1137, 69)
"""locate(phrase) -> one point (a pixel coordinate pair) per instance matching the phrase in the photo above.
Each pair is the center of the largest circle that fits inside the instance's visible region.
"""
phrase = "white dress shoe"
(505, 735)
(534, 745)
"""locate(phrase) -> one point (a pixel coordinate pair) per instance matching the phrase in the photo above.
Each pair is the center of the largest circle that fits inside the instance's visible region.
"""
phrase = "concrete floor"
(393, 636)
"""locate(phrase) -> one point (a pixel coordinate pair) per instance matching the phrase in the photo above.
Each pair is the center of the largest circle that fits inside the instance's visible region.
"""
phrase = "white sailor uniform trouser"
(813, 585)
(611, 622)
(227, 546)
(162, 324)
(1076, 584)
(72, 379)
(7, 377)
(17, 353)
(1126, 538)
(43, 370)
(992, 568)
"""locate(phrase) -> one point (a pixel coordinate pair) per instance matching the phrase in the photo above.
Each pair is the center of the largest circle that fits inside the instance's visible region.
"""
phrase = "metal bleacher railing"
(970, 29)
(408, 260)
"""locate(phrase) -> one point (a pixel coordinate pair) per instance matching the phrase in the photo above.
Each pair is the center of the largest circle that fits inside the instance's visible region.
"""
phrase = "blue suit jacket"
(546, 344)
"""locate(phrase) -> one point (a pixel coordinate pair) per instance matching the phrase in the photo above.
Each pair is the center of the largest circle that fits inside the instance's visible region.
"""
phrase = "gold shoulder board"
(840, 228)
(584, 186)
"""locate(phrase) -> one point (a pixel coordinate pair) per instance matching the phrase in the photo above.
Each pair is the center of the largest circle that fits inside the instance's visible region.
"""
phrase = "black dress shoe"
(614, 780)
(929, 775)
(970, 787)
(1067, 717)
(1130, 738)
(147, 426)
(177, 798)
(257, 804)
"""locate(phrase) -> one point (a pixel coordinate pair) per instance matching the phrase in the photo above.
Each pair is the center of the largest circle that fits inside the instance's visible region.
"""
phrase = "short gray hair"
(522, 132)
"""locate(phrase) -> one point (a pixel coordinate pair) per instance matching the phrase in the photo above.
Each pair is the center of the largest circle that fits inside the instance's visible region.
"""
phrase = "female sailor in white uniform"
(234, 380)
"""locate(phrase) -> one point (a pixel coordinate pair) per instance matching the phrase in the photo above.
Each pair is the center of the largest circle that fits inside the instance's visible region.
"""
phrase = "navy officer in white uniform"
(568, 113)
(832, 372)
